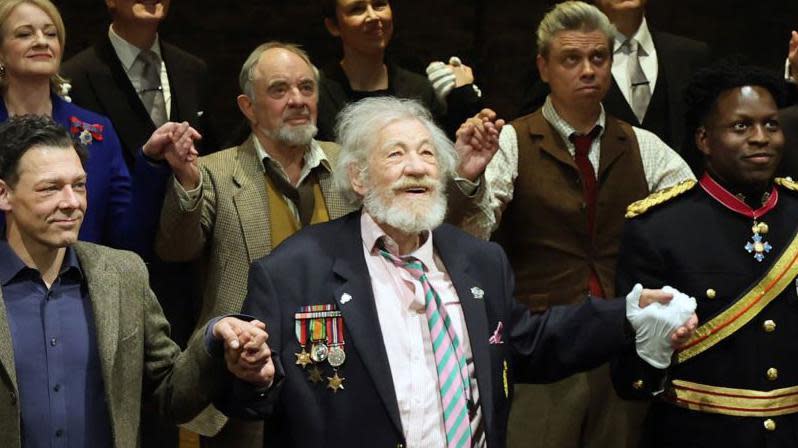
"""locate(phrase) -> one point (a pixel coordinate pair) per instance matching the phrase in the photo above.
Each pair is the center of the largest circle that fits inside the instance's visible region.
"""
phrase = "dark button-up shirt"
(61, 392)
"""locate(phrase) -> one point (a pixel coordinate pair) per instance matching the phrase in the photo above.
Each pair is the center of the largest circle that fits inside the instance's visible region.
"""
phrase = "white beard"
(407, 216)
(293, 135)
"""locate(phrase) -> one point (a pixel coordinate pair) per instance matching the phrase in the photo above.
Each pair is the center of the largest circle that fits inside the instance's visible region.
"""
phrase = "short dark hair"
(24, 132)
(702, 93)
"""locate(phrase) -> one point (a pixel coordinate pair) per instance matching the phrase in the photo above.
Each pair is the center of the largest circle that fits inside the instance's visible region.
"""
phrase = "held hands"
(446, 77)
(246, 353)
(663, 320)
(477, 142)
(174, 142)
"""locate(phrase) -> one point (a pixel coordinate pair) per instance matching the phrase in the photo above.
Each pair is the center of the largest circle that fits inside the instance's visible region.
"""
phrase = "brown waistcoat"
(544, 229)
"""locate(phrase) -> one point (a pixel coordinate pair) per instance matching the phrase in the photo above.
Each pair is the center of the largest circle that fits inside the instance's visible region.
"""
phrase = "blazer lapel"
(118, 97)
(476, 319)
(252, 201)
(181, 86)
(360, 314)
(103, 284)
(6, 346)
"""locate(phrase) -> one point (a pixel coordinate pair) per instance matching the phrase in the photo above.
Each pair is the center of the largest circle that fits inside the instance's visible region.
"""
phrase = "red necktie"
(582, 145)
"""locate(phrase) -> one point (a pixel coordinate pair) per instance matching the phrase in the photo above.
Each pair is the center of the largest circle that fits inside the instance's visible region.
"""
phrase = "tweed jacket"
(138, 358)
(230, 226)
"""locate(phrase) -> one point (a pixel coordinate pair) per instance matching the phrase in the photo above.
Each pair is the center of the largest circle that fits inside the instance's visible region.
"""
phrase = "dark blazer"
(136, 355)
(323, 262)
(678, 58)
(789, 123)
(99, 83)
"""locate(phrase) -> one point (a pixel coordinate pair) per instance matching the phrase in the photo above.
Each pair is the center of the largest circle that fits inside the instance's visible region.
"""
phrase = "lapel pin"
(477, 292)
(345, 297)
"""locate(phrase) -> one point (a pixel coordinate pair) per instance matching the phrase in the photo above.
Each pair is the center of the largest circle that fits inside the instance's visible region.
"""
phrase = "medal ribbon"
(301, 330)
(734, 203)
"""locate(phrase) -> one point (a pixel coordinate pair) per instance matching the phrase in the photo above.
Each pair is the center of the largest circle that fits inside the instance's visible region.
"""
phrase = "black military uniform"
(735, 384)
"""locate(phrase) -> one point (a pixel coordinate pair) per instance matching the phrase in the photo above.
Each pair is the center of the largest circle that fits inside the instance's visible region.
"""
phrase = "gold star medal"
(314, 375)
(301, 332)
(335, 382)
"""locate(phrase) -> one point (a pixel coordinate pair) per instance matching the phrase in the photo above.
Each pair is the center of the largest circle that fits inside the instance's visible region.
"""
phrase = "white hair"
(357, 129)
(572, 16)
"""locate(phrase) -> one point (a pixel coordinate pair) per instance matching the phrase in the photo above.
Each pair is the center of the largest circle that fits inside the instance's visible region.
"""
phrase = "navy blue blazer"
(323, 262)
(121, 212)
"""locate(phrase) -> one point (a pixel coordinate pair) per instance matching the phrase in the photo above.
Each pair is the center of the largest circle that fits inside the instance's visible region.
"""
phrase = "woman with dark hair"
(365, 28)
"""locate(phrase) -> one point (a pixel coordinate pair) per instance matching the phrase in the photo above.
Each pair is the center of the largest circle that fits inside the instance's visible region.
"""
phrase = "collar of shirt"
(127, 52)
(314, 156)
(11, 265)
(642, 36)
(565, 129)
(371, 233)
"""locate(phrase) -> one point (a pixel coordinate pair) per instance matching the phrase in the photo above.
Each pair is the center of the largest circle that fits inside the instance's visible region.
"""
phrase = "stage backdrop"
(495, 37)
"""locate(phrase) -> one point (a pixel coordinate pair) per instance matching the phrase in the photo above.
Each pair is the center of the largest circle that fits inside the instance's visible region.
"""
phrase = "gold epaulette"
(637, 208)
(787, 183)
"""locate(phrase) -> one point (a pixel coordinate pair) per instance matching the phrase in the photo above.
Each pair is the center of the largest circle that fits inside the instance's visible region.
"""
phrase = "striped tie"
(453, 383)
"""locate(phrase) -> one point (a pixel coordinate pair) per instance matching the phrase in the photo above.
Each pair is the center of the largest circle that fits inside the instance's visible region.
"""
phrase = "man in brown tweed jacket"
(236, 205)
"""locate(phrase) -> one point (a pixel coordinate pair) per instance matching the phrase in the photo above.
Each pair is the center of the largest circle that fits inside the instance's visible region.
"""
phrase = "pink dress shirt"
(400, 308)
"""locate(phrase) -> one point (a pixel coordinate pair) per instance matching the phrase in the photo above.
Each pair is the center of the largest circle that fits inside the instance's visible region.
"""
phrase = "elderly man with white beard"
(389, 328)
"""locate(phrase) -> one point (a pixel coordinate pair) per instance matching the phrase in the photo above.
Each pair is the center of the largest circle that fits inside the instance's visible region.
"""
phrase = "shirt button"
(53, 341)
(59, 432)
(57, 387)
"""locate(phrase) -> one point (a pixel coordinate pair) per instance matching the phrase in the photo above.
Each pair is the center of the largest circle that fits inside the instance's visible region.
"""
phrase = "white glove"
(442, 78)
(655, 323)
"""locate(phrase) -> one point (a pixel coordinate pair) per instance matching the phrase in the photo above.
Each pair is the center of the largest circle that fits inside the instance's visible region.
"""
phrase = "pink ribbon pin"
(497, 335)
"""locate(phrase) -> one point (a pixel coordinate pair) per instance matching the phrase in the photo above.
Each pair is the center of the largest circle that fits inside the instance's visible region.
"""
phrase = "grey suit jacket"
(137, 356)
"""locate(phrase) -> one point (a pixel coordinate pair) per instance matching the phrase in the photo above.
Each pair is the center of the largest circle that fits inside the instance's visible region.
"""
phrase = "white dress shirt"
(127, 54)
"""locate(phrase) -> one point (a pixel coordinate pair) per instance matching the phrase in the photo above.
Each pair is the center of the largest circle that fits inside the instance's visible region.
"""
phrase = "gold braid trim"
(776, 280)
(787, 183)
(728, 401)
(637, 208)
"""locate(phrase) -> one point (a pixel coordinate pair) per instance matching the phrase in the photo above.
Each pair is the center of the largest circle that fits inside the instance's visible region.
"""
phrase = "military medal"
(301, 331)
(335, 337)
(321, 328)
(335, 382)
(757, 244)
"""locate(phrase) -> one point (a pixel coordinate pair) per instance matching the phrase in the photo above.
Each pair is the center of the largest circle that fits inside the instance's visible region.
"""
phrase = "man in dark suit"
(667, 62)
(82, 338)
(789, 124)
(387, 322)
(109, 78)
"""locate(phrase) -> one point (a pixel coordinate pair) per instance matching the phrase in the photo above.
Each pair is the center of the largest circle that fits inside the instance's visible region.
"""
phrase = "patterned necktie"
(450, 360)
(150, 89)
(587, 174)
(641, 87)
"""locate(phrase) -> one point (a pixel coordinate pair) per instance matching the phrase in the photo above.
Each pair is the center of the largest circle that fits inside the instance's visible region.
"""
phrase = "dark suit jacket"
(99, 83)
(789, 123)
(678, 58)
(323, 262)
(136, 355)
